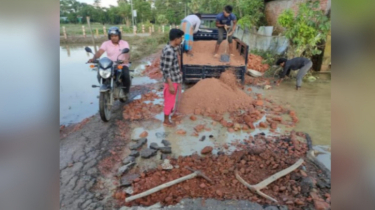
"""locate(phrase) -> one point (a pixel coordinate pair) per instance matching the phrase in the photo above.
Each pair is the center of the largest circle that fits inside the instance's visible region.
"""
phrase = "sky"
(103, 3)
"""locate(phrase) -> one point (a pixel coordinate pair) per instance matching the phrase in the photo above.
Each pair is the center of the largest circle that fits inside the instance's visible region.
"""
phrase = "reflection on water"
(78, 100)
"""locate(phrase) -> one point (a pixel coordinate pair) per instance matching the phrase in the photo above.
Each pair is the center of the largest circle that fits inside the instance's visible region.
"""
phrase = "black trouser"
(125, 77)
(126, 80)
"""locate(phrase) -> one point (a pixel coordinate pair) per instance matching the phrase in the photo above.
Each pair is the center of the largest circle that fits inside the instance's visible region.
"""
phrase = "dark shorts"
(221, 35)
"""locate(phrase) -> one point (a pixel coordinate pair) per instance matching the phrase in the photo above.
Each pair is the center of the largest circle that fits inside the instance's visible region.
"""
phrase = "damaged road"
(101, 164)
(89, 154)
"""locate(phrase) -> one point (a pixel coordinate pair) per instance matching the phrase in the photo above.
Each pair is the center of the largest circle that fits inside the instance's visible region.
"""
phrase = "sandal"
(169, 125)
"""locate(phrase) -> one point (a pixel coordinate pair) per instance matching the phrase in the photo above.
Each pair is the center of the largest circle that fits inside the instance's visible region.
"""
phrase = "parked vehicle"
(209, 31)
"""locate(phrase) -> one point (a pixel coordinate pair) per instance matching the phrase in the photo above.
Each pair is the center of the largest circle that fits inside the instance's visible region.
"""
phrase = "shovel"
(225, 57)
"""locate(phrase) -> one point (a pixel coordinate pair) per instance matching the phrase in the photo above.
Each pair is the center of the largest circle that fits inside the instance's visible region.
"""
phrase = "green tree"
(124, 11)
(306, 29)
(161, 19)
(172, 9)
(112, 15)
(143, 8)
(87, 10)
(194, 6)
(250, 12)
(100, 15)
(64, 7)
(72, 17)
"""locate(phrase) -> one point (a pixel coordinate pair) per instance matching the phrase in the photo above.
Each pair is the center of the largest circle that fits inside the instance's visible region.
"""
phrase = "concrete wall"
(274, 8)
(326, 65)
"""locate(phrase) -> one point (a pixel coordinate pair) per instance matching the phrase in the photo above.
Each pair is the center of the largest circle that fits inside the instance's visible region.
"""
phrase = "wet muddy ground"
(91, 152)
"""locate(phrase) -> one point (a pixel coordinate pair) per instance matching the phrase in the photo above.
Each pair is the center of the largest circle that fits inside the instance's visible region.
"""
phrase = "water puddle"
(312, 105)
(304, 104)
(78, 100)
(143, 81)
(215, 134)
(323, 154)
(139, 67)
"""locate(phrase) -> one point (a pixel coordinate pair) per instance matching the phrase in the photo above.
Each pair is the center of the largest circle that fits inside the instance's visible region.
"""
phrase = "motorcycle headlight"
(105, 73)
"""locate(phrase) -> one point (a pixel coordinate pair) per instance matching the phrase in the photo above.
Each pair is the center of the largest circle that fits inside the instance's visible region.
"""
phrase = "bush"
(305, 30)
(146, 24)
(162, 19)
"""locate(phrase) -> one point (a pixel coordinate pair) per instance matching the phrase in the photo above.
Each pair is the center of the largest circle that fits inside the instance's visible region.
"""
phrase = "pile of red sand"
(255, 62)
(229, 78)
(203, 52)
(153, 71)
(215, 96)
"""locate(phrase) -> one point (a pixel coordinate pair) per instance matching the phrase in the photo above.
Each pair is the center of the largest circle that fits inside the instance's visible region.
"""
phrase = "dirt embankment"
(82, 40)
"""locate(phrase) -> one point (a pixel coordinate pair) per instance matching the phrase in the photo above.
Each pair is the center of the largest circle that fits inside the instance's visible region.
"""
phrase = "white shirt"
(194, 22)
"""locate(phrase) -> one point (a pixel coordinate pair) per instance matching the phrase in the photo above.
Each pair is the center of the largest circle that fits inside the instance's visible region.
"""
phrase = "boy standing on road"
(223, 22)
(172, 75)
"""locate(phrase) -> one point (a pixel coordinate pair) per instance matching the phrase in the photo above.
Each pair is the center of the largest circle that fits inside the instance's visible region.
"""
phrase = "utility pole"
(92, 35)
(131, 4)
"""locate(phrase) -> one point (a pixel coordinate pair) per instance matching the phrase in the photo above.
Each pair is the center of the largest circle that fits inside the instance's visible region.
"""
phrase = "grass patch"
(148, 45)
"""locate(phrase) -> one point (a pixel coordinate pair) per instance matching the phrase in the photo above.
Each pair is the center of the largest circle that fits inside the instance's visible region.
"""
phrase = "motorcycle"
(111, 87)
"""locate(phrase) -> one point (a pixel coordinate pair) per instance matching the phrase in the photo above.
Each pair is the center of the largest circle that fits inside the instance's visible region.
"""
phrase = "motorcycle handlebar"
(95, 62)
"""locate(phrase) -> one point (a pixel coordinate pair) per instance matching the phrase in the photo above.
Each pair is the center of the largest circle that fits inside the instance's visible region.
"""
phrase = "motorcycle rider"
(113, 48)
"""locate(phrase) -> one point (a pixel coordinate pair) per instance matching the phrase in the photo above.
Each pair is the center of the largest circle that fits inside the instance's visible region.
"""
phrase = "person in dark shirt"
(303, 64)
(224, 21)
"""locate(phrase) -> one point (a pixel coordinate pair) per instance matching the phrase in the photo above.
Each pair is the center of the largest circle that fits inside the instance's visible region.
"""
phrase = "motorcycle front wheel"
(104, 107)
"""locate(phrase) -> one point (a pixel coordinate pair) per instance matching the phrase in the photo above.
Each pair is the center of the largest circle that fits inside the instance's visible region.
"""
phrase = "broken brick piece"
(259, 102)
(263, 125)
(207, 150)
(144, 134)
(181, 132)
(193, 118)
